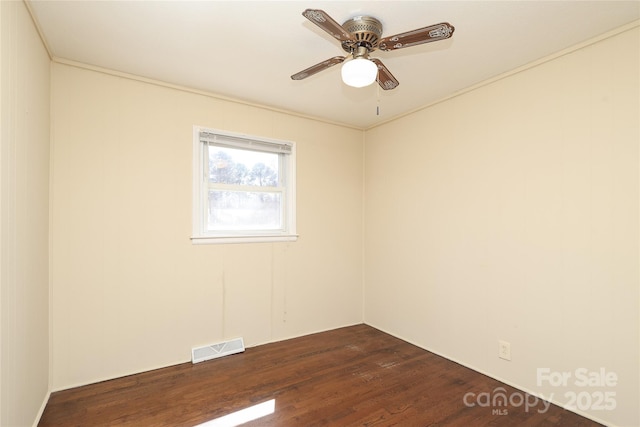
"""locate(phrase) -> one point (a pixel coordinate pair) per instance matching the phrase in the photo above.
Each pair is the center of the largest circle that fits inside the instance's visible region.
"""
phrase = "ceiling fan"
(359, 37)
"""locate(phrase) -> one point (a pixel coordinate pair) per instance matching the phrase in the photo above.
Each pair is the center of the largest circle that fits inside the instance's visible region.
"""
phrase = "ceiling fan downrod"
(360, 52)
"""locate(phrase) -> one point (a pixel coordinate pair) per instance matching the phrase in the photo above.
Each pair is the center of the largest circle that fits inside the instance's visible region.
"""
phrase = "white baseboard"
(41, 411)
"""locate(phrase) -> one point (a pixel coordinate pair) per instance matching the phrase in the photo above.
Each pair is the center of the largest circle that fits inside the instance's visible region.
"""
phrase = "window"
(244, 188)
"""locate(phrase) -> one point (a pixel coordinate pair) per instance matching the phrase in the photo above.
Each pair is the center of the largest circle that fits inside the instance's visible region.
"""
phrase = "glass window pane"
(244, 210)
(243, 167)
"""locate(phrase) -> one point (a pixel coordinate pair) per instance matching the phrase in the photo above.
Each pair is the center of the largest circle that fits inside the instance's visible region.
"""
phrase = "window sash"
(227, 228)
(247, 188)
(282, 169)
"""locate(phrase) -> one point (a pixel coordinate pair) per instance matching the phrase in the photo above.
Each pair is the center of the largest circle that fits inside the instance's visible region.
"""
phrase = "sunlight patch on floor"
(243, 416)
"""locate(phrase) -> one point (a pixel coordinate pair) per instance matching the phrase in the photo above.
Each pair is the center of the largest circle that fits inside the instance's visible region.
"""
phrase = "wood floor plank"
(354, 376)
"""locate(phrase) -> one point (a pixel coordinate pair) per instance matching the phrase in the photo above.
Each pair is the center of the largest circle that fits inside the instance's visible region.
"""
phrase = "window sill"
(212, 240)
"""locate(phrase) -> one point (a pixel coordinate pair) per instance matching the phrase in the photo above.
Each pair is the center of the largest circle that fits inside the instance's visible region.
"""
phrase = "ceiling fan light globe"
(359, 72)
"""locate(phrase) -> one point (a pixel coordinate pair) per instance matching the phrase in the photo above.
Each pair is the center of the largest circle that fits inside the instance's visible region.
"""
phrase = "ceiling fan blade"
(385, 78)
(318, 67)
(428, 34)
(324, 21)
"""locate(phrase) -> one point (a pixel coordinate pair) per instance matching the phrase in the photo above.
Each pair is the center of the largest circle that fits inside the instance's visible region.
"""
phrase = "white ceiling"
(248, 50)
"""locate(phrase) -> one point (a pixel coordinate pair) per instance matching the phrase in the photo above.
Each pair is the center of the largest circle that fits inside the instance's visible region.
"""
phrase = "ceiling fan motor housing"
(366, 31)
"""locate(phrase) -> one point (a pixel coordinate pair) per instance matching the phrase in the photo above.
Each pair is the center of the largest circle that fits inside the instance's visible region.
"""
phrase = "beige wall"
(129, 290)
(24, 218)
(511, 212)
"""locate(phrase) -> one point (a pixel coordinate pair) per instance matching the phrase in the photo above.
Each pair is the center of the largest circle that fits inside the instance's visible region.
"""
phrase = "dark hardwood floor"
(354, 376)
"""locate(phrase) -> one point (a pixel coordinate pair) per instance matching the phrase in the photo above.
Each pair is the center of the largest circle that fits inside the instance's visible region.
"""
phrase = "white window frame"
(200, 235)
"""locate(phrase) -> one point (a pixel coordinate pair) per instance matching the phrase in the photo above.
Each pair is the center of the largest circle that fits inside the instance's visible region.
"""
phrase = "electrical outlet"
(504, 350)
